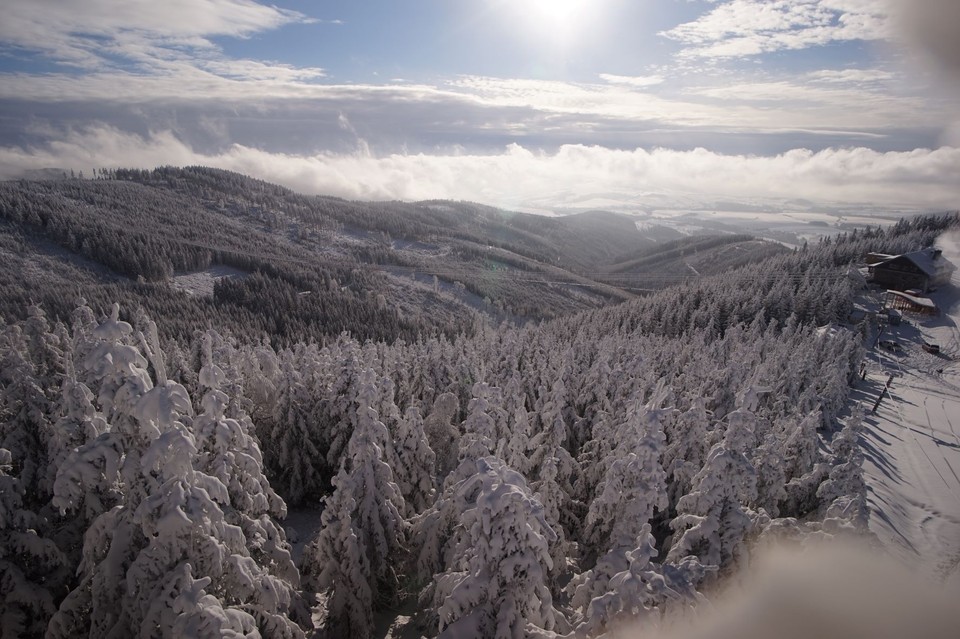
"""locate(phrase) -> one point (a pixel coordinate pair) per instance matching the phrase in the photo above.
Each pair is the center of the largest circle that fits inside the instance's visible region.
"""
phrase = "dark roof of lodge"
(928, 260)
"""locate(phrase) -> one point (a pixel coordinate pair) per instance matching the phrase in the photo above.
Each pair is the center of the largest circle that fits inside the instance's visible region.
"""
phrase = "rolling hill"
(312, 266)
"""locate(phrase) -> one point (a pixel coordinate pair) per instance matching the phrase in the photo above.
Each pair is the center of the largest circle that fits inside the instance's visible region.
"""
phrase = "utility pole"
(882, 393)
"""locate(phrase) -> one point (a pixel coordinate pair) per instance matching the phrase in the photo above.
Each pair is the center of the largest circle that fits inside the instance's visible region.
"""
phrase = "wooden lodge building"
(898, 301)
(920, 270)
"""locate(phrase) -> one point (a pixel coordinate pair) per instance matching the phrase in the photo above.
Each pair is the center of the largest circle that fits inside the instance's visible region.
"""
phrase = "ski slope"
(912, 443)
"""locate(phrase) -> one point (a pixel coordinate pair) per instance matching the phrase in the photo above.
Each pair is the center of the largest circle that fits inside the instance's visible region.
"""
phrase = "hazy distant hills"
(315, 266)
(691, 257)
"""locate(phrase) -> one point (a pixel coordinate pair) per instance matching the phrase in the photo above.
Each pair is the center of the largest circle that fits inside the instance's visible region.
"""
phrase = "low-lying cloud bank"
(572, 176)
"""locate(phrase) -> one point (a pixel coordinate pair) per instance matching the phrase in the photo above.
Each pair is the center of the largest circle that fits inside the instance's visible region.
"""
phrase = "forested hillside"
(304, 267)
(687, 258)
(555, 479)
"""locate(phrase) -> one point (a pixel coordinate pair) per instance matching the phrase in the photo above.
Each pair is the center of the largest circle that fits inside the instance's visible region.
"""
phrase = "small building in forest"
(922, 270)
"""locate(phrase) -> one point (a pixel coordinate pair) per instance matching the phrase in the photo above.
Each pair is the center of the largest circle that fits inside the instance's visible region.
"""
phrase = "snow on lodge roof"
(876, 258)
(929, 260)
(923, 270)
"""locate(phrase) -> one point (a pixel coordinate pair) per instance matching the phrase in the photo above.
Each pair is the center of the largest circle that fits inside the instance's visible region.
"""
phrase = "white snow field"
(200, 283)
(912, 443)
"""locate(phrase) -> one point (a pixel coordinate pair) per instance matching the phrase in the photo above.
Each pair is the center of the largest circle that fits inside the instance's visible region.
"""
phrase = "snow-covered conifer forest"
(563, 477)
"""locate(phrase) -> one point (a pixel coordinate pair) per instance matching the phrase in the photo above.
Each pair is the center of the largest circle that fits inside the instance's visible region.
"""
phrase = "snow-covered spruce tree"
(803, 465)
(386, 404)
(843, 494)
(771, 480)
(24, 415)
(198, 613)
(294, 454)
(592, 454)
(32, 568)
(514, 398)
(479, 429)
(553, 469)
(613, 436)
(552, 408)
(801, 445)
(434, 533)
(608, 433)
(89, 481)
(227, 451)
(712, 519)
(515, 448)
(442, 435)
(46, 346)
(416, 463)
(637, 598)
(168, 514)
(687, 448)
(496, 585)
(633, 489)
(260, 368)
(336, 564)
(83, 321)
(594, 394)
(378, 505)
(550, 443)
(185, 523)
(549, 493)
(233, 362)
(33, 571)
(339, 411)
(77, 424)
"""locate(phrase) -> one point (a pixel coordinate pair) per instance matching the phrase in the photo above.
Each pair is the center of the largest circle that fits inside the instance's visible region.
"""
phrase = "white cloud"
(828, 99)
(149, 69)
(147, 39)
(740, 28)
(141, 53)
(518, 177)
(851, 76)
(265, 100)
(640, 81)
(168, 19)
(255, 70)
(795, 104)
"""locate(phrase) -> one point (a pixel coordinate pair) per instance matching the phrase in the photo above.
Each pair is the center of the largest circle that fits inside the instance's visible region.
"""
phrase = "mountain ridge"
(319, 257)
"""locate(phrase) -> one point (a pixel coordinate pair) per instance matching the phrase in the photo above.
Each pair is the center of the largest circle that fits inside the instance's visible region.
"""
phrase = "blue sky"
(529, 104)
(427, 39)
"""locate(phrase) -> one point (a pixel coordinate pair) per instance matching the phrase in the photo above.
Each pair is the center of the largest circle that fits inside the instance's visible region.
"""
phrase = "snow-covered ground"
(201, 282)
(912, 443)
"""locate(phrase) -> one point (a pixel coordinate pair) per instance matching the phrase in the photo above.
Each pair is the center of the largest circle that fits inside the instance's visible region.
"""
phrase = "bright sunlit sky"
(529, 104)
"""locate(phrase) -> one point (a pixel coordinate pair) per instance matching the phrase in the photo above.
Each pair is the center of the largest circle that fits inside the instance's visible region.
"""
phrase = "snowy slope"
(912, 443)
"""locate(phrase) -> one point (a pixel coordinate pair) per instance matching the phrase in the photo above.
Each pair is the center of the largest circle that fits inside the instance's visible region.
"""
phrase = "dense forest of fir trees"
(141, 236)
(142, 227)
(555, 479)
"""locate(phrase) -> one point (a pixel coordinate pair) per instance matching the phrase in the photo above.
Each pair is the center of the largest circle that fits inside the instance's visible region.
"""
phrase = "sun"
(560, 10)
(560, 18)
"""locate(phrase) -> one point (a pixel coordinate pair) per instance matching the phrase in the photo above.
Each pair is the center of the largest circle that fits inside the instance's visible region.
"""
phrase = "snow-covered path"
(912, 443)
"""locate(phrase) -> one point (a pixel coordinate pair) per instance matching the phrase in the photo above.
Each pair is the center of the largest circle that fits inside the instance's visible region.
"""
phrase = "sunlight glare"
(557, 18)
